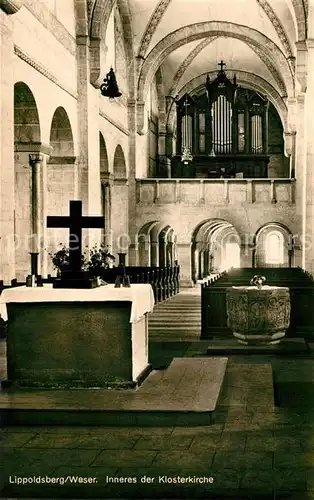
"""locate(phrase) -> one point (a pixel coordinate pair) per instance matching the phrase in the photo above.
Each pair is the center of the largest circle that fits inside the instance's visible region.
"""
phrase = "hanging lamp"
(110, 87)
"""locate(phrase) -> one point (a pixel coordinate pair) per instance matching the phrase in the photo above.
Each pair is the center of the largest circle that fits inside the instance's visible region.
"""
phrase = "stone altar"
(77, 338)
(258, 315)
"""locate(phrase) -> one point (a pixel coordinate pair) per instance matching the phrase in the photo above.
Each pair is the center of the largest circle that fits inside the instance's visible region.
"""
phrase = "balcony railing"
(216, 191)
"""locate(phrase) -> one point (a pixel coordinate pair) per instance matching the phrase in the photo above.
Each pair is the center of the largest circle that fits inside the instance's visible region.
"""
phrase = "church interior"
(171, 141)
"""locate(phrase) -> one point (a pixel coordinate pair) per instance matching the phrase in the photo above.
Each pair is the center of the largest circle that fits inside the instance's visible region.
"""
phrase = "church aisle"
(178, 318)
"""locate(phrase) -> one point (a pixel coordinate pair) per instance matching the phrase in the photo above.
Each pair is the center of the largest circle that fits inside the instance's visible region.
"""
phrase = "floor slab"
(186, 392)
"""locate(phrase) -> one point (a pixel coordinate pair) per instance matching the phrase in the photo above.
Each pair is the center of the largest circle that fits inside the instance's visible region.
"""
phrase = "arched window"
(274, 248)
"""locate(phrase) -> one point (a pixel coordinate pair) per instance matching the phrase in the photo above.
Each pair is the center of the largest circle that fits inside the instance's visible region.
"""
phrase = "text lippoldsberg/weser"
(52, 480)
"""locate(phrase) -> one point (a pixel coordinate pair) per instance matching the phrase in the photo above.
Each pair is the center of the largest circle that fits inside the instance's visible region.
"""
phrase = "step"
(186, 393)
(228, 347)
(156, 328)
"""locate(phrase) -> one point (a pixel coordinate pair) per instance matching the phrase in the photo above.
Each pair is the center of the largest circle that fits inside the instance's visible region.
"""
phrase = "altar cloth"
(141, 296)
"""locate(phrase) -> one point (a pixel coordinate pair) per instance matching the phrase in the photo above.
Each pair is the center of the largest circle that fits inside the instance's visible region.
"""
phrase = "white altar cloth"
(141, 296)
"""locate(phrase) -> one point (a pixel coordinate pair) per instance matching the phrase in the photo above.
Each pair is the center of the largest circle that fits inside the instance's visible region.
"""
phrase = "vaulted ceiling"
(185, 39)
(246, 34)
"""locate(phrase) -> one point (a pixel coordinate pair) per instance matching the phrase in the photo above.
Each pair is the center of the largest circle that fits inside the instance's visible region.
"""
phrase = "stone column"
(31, 208)
(35, 161)
(184, 261)
(106, 180)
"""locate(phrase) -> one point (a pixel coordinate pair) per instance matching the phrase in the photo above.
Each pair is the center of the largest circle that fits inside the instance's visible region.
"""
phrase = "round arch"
(244, 78)
(61, 136)
(156, 244)
(209, 240)
(103, 155)
(27, 139)
(197, 31)
(273, 246)
(119, 165)
(99, 17)
(26, 118)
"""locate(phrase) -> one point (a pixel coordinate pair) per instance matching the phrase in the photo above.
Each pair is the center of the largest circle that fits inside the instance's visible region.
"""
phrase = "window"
(274, 248)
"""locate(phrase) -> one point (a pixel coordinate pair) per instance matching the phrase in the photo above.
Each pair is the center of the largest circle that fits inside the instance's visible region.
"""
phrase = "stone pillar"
(88, 161)
(132, 229)
(119, 210)
(184, 261)
(154, 253)
(200, 265)
(290, 147)
(144, 250)
(162, 251)
(164, 166)
(170, 253)
(7, 193)
(300, 171)
(246, 255)
(206, 262)
(309, 138)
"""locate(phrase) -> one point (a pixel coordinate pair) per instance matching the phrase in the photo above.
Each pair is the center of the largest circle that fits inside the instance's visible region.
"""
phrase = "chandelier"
(186, 156)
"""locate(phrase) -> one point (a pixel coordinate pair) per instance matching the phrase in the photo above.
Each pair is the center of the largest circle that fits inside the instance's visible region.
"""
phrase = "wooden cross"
(221, 64)
(75, 222)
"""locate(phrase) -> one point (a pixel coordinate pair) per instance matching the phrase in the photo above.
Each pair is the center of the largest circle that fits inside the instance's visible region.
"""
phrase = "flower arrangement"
(258, 280)
(99, 259)
(60, 259)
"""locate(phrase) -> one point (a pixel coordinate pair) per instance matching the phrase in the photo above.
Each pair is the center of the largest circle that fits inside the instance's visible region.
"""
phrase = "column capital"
(35, 158)
(106, 178)
(310, 43)
(11, 6)
(33, 148)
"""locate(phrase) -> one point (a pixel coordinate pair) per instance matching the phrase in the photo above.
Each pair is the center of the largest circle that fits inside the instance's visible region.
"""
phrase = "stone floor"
(253, 450)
